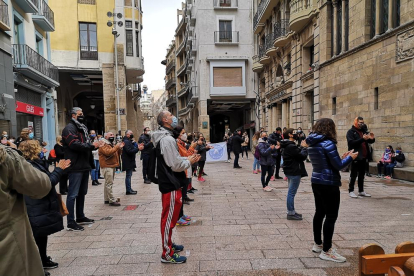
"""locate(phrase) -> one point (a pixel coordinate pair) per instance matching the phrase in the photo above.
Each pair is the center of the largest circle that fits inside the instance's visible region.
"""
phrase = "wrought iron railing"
(170, 66)
(226, 3)
(182, 68)
(269, 41)
(259, 12)
(46, 11)
(170, 83)
(172, 100)
(23, 55)
(226, 37)
(262, 50)
(281, 28)
(4, 13)
(89, 53)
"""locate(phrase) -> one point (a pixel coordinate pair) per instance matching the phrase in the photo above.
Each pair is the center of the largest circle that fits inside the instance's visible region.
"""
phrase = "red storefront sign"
(29, 109)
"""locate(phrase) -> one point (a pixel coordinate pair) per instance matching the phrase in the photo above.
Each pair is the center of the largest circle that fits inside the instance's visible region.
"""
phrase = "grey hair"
(75, 110)
(126, 132)
(160, 117)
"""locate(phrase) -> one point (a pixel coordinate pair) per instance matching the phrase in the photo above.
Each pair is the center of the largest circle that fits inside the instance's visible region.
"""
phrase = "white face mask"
(184, 137)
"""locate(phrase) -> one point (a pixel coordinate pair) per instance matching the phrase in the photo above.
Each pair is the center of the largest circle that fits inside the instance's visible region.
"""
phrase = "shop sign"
(29, 109)
(205, 124)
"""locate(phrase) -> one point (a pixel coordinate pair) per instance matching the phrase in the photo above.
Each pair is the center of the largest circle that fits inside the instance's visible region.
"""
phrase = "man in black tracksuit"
(145, 140)
(237, 140)
(358, 139)
(273, 139)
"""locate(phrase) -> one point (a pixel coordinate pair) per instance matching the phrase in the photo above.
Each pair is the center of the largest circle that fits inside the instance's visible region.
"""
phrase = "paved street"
(239, 229)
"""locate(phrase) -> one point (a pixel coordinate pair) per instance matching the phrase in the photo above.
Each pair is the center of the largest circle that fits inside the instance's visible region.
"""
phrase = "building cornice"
(279, 89)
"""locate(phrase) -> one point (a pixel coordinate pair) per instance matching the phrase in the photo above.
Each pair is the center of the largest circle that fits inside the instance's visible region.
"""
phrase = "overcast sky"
(159, 21)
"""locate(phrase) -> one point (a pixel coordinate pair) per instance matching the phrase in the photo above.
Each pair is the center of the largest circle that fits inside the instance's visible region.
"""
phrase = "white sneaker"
(364, 194)
(331, 255)
(353, 195)
(317, 248)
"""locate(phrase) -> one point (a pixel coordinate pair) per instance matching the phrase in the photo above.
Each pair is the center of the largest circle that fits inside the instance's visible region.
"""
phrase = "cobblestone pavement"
(239, 229)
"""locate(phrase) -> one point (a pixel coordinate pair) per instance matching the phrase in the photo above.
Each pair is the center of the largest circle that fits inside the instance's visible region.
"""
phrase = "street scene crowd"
(32, 209)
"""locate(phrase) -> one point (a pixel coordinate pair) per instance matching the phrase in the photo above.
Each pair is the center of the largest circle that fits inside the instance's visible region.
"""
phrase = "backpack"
(257, 153)
(52, 154)
(152, 165)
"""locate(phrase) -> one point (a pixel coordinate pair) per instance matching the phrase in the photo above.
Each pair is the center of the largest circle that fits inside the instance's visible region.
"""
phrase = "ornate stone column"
(343, 46)
(378, 18)
(335, 26)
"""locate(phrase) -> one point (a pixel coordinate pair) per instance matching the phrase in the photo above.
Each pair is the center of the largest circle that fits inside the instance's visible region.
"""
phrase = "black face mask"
(111, 139)
(81, 119)
(295, 136)
(264, 138)
(131, 136)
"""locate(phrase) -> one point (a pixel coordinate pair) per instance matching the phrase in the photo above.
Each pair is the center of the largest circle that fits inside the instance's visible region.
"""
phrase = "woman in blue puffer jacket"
(326, 181)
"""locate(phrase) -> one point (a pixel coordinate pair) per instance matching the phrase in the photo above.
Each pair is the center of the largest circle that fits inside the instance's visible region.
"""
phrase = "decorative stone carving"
(405, 45)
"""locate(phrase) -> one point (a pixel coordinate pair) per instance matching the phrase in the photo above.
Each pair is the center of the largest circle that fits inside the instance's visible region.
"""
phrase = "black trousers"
(236, 160)
(357, 170)
(266, 170)
(201, 165)
(245, 150)
(327, 199)
(63, 183)
(41, 243)
(228, 154)
(278, 161)
(184, 195)
(145, 162)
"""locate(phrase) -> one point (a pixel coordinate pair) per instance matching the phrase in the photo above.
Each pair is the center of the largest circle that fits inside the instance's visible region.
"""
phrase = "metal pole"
(117, 86)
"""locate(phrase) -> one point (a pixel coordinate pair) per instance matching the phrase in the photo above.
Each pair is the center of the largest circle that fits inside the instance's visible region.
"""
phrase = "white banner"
(218, 153)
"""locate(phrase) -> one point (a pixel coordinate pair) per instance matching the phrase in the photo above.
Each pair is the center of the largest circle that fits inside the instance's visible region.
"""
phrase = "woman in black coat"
(44, 214)
(60, 154)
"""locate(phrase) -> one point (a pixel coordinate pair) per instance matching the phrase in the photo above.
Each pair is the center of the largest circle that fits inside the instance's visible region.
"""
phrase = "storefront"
(30, 116)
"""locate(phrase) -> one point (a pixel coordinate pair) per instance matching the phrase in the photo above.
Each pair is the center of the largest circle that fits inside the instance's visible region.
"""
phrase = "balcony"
(182, 91)
(180, 48)
(170, 83)
(263, 58)
(193, 21)
(170, 66)
(89, 53)
(257, 66)
(31, 64)
(270, 49)
(282, 33)
(4, 16)
(181, 26)
(194, 48)
(45, 17)
(301, 12)
(192, 96)
(226, 38)
(28, 6)
(264, 12)
(226, 4)
(185, 110)
(171, 101)
(182, 68)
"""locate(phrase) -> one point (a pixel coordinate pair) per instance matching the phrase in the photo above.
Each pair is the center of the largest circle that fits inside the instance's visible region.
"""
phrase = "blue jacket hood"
(315, 138)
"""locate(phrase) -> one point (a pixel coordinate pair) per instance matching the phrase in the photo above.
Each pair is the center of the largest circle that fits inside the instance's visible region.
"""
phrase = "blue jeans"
(294, 181)
(389, 169)
(128, 180)
(256, 165)
(95, 172)
(78, 188)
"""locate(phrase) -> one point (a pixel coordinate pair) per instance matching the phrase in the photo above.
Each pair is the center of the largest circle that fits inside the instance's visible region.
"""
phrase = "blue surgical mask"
(398, 151)
(31, 136)
(174, 123)
(387, 150)
(93, 135)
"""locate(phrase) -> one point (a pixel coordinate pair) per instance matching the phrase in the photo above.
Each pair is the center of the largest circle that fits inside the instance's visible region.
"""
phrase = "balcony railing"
(300, 13)
(171, 101)
(4, 16)
(281, 28)
(269, 41)
(89, 53)
(28, 6)
(259, 12)
(25, 57)
(226, 4)
(192, 96)
(182, 68)
(226, 37)
(262, 50)
(182, 91)
(170, 83)
(45, 18)
(170, 66)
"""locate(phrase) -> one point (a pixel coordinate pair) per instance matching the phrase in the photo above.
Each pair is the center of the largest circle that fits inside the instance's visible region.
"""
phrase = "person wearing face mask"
(145, 140)
(25, 134)
(128, 160)
(237, 140)
(109, 154)
(95, 171)
(78, 148)
(267, 161)
(294, 168)
(170, 170)
(301, 135)
(4, 140)
(358, 140)
(386, 163)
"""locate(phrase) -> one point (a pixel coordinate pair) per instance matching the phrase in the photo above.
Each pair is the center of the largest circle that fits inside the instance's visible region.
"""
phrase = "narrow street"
(237, 229)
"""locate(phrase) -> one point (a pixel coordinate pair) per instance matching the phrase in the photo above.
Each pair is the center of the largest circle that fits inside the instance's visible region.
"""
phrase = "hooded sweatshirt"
(293, 158)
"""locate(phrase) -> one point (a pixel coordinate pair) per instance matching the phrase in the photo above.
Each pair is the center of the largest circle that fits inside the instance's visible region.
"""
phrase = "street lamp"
(113, 24)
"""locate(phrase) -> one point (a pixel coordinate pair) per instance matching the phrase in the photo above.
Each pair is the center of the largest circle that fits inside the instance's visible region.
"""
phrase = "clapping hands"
(63, 164)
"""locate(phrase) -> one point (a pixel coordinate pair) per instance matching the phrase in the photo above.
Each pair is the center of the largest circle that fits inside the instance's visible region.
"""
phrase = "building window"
(225, 31)
(129, 43)
(334, 106)
(227, 77)
(39, 44)
(373, 17)
(88, 41)
(376, 98)
(225, 3)
(339, 30)
(17, 31)
(128, 24)
(137, 42)
(331, 13)
(397, 13)
(136, 25)
(384, 15)
(128, 3)
(346, 25)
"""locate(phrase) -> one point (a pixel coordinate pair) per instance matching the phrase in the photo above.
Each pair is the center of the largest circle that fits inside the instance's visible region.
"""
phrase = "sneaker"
(85, 220)
(175, 259)
(182, 222)
(272, 178)
(317, 248)
(204, 174)
(388, 177)
(267, 189)
(177, 248)
(378, 176)
(285, 178)
(364, 194)
(259, 171)
(190, 192)
(194, 189)
(201, 179)
(331, 255)
(297, 214)
(254, 172)
(147, 181)
(73, 226)
(186, 218)
(114, 204)
(353, 195)
(368, 174)
(49, 264)
(294, 217)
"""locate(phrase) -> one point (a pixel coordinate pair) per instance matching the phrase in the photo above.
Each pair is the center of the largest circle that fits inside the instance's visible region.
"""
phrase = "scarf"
(84, 128)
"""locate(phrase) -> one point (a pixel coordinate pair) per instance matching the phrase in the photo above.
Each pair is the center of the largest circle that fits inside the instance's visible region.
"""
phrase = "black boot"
(95, 183)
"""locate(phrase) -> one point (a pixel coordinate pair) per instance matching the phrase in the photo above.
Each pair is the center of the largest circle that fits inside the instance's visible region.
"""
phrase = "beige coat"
(19, 253)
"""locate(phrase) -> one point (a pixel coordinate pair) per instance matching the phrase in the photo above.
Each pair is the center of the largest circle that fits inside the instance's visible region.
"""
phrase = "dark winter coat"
(236, 141)
(129, 153)
(355, 142)
(229, 142)
(325, 160)
(60, 152)
(202, 150)
(293, 158)
(77, 149)
(267, 155)
(44, 214)
(146, 139)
